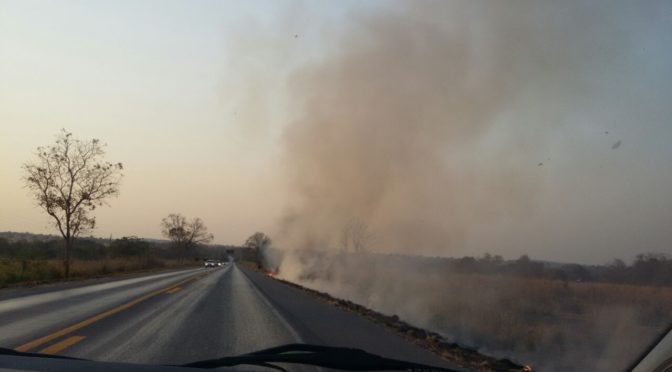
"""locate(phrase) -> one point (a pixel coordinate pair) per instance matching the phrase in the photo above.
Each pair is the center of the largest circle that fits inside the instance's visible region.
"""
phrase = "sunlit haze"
(449, 128)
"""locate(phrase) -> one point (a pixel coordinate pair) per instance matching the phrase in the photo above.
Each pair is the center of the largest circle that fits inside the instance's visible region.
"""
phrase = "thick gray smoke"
(426, 123)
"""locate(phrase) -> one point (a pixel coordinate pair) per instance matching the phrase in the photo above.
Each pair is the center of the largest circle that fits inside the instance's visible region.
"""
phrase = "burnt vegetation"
(462, 355)
(552, 316)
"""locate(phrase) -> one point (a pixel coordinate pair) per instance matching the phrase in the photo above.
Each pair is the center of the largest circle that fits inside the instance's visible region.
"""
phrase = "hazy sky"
(160, 82)
(196, 98)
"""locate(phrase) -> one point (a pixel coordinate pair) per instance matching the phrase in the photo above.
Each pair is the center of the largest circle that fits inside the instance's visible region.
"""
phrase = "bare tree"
(355, 235)
(185, 234)
(69, 180)
(259, 242)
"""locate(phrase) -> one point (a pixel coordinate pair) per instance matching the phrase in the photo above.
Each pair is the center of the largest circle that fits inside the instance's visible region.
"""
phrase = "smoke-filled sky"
(439, 128)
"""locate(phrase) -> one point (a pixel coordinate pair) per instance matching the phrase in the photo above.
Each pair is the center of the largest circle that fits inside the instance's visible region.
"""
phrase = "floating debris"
(616, 145)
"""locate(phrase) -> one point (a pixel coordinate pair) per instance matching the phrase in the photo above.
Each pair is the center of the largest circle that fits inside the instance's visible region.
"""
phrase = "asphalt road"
(184, 316)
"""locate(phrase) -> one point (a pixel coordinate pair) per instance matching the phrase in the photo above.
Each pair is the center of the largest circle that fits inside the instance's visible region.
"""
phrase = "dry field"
(592, 326)
(38, 271)
(549, 324)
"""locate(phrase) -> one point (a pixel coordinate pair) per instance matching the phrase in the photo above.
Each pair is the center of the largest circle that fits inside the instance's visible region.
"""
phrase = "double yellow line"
(74, 339)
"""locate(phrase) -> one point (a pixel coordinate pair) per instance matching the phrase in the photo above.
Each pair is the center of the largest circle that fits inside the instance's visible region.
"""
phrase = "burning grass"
(458, 354)
(553, 325)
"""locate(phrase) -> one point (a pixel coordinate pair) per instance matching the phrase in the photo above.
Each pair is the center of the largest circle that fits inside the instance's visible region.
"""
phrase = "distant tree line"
(68, 180)
(646, 269)
(97, 249)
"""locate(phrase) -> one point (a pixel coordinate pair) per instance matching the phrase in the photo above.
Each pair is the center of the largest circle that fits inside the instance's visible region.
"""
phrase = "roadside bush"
(18, 271)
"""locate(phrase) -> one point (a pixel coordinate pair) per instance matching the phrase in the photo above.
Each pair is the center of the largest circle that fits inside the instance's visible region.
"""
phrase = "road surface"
(184, 316)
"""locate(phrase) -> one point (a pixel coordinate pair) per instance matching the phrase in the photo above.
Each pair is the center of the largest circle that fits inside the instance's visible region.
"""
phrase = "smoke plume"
(425, 124)
(404, 129)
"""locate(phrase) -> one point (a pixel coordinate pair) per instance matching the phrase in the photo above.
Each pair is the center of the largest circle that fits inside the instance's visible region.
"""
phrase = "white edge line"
(284, 321)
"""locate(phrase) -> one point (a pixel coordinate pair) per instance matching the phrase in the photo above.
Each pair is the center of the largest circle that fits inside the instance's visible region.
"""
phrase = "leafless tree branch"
(69, 180)
(185, 234)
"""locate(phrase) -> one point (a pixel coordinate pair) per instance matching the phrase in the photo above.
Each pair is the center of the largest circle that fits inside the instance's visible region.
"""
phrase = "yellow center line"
(59, 346)
(42, 340)
(173, 290)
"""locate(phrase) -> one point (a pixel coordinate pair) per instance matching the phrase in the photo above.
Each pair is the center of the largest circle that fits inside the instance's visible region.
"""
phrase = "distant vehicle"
(211, 263)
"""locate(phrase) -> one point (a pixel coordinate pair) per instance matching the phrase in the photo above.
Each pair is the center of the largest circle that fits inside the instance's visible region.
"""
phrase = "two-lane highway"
(183, 316)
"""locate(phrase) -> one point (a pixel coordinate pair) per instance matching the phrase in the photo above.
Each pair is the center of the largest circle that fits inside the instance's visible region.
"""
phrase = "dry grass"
(597, 326)
(550, 324)
(40, 271)
(460, 355)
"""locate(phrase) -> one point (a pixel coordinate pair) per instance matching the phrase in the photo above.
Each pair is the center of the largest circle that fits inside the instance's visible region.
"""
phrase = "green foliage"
(30, 250)
(15, 271)
(34, 258)
(130, 246)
